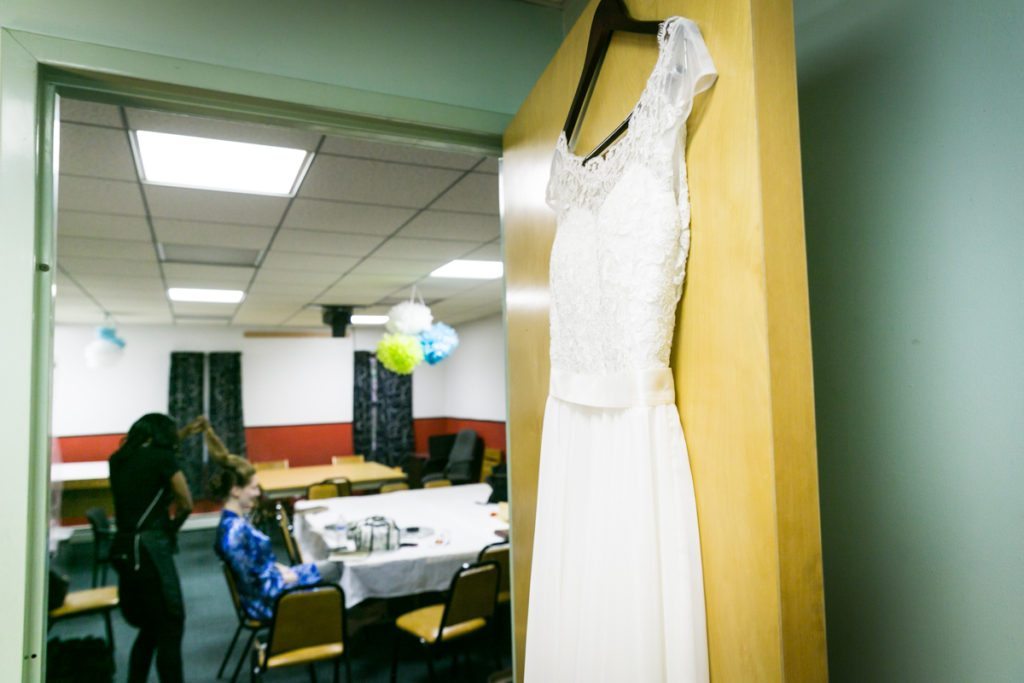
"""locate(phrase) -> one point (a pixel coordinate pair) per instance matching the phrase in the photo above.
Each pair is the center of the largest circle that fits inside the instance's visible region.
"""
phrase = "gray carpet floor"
(210, 623)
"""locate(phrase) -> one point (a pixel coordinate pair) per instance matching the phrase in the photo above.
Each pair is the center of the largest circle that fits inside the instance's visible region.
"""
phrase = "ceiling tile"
(212, 234)
(314, 214)
(129, 250)
(108, 226)
(407, 154)
(490, 165)
(100, 196)
(96, 152)
(275, 299)
(190, 308)
(375, 182)
(447, 225)
(438, 288)
(476, 192)
(488, 252)
(310, 317)
(90, 112)
(446, 250)
(298, 279)
(66, 314)
(412, 270)
(198, 126)
(217, 207)
(151, 318)
(378, 280)
(201, 275)
(218, 256)
(317, 242)
(121, 283)
(81, 267)
(283, 260)
(343, 295)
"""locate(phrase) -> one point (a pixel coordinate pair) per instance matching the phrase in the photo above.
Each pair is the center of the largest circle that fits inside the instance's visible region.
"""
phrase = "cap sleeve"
(166, 464)
(691, 70)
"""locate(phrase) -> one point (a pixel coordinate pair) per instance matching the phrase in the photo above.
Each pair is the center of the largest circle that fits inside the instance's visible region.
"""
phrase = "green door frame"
(35, 71)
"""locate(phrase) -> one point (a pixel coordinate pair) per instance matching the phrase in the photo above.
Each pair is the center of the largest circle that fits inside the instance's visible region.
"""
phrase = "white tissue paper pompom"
(409, 317)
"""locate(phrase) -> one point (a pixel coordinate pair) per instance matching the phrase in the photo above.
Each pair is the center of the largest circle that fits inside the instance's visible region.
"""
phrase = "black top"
(135, 479)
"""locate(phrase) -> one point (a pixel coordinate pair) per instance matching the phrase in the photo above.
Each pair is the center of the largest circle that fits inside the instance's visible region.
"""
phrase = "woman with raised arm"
(151, 502)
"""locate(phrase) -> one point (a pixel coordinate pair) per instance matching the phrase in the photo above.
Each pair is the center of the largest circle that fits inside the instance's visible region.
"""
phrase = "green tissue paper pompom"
(400, 353)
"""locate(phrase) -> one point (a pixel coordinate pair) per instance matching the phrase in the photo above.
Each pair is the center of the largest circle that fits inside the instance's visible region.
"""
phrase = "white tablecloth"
(79, 471)
(462, 524)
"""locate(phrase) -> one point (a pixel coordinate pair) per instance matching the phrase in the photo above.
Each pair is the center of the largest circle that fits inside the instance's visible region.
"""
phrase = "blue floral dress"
(247, 551)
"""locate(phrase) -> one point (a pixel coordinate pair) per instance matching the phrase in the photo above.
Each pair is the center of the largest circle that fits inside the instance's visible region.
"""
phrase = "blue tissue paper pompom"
(438, 341)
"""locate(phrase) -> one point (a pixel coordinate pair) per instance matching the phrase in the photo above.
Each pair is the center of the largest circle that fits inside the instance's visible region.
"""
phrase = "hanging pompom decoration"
(438, 342)
(106, 349)
(409, 317)
(399, 353)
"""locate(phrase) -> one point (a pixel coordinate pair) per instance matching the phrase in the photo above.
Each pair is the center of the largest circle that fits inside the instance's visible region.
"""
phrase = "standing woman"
(146, 482)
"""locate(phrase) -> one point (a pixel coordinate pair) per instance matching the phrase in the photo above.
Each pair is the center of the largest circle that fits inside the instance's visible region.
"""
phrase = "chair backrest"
(498, 553)
(473, 594)
(270, 465)
(321, 491)
(395, 486)
(290, 546)
(98, 521)
(436, 483)
(347, 459)
(236, 599)
(466, 458)
(342, 484)
(307, 617)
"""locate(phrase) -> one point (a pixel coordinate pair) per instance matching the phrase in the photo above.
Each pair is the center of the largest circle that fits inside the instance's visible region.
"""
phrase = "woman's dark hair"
(153, 430)
(233, 471)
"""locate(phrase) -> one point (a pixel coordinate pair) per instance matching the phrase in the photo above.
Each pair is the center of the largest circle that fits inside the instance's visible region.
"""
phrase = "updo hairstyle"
(234, 471)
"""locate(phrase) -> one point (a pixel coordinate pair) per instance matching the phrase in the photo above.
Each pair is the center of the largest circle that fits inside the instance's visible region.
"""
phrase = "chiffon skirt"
(616, 589)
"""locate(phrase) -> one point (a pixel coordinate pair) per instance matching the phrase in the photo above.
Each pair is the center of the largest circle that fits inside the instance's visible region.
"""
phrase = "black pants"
(151, 601)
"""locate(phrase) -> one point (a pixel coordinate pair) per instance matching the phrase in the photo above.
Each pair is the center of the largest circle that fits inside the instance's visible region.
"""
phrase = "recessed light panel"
(368, 319)
(222, 165)
(473, 270)
(206, 296)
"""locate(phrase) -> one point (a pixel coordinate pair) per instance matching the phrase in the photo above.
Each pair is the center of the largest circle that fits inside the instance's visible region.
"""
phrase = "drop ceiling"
(369, 222)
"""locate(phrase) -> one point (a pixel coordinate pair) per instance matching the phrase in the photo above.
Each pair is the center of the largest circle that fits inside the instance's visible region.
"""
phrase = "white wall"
(475, 373)
(285, 381)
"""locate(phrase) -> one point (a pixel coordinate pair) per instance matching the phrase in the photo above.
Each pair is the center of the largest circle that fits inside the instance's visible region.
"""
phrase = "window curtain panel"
(364, 438)
(382, 411)
(185, 402)
(225, 400)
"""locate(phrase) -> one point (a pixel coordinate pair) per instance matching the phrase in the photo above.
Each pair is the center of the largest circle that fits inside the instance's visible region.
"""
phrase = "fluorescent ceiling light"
(475, 270)
(369, 319)
(223, 165)
(210, 296)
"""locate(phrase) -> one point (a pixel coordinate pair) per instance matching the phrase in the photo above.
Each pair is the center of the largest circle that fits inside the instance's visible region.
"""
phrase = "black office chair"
(464, 460)
(102, 535)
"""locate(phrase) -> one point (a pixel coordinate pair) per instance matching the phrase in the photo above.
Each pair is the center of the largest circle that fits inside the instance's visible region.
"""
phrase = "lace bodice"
(619, 255)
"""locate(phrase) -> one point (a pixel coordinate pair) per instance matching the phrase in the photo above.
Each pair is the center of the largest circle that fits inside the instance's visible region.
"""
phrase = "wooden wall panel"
(741, 355)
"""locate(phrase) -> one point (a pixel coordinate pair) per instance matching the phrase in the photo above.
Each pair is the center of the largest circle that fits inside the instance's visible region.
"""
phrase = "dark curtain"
(382, 411)
(226, 400)
(363, 424)
(185, 402)
(394, 416)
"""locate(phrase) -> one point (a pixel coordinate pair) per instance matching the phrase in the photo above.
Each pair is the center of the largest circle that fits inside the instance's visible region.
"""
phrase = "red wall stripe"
(300, 444)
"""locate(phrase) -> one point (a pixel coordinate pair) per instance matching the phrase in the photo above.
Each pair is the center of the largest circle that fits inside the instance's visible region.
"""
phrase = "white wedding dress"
(616, 591)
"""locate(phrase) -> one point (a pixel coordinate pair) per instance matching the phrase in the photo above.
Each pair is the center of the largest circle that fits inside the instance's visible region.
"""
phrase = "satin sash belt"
(624, 390)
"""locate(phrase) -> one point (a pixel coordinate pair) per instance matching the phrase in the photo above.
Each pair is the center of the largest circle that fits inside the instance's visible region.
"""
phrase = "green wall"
(483, 54)
(911, 118)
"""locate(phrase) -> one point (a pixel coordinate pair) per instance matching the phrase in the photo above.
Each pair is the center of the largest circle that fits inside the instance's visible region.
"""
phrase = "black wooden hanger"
(610, 16)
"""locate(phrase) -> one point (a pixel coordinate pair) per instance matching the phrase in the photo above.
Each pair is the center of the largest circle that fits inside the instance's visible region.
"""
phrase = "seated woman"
(246, 549)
